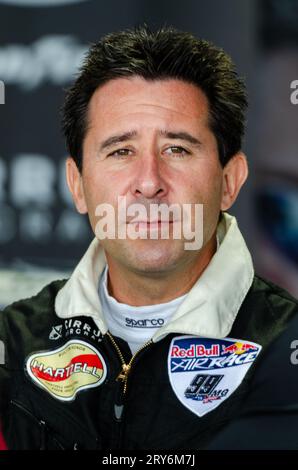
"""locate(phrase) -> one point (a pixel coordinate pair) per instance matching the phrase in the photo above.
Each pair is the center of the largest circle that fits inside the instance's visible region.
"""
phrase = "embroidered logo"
(144, 322)
(56, 332)
(73, 328)
(65, 371)
(204, 372)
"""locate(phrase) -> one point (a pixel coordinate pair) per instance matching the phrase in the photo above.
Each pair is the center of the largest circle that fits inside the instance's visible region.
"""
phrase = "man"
(153, 343)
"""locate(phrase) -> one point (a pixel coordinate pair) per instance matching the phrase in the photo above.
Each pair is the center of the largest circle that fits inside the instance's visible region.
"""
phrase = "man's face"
(151, 164)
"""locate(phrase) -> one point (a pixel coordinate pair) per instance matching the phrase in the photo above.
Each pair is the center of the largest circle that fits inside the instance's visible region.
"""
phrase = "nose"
(149, 181)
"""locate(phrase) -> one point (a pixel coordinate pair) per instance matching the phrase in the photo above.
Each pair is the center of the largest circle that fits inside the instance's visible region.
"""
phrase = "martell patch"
(65, 371)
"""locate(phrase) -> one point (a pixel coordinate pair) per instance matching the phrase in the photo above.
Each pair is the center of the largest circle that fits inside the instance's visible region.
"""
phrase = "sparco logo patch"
(65, 371)
(144, 322)
(204, 372)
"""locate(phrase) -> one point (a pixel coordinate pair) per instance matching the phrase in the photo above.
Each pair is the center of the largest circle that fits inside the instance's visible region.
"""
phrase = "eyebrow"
(181, 135)
(116, 139)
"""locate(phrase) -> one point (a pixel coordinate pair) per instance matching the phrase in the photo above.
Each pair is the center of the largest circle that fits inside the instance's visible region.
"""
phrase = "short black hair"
(156, 55)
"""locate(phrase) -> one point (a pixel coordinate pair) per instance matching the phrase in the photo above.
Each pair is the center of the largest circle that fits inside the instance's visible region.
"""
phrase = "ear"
(234, 176)
(75, 185)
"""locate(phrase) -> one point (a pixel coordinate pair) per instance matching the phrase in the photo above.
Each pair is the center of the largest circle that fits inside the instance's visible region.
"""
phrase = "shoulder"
(275, 383)
(275, 296)
(26, 319)
(277, 374)
(266, 310)
(35, 305)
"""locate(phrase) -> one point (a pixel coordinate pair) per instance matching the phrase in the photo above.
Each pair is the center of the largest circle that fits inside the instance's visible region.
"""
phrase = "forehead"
(135, 96)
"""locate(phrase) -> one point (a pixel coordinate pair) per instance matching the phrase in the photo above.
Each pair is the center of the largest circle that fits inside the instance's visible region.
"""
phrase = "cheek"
(94, 195)
(204, 187)
(99, 189)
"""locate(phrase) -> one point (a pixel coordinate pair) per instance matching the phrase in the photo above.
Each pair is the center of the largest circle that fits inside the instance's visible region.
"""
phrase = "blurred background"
(42, 43)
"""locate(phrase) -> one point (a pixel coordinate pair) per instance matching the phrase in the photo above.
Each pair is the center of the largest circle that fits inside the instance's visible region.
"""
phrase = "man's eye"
(177, 151)
(119, 153)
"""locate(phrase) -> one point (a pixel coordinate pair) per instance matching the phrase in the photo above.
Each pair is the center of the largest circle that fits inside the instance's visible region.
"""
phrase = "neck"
(137, 289)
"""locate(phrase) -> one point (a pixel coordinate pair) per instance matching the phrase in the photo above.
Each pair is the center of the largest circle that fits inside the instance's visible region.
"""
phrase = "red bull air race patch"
(204, 372)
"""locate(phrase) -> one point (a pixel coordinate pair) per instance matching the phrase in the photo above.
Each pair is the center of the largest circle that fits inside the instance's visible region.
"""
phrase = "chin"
(155, 258)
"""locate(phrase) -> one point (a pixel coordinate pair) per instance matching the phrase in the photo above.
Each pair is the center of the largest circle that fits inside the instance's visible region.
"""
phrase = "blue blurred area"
(277, 215)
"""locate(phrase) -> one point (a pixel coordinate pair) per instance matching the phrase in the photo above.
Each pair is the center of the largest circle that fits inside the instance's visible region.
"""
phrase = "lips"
(151, 222)
(156, 221)
(153, 225)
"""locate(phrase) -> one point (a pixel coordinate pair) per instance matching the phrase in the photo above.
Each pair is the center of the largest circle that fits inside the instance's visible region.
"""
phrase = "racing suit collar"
(208, 310)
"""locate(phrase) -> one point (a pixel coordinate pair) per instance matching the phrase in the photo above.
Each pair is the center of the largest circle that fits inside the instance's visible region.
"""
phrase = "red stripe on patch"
(92, 360)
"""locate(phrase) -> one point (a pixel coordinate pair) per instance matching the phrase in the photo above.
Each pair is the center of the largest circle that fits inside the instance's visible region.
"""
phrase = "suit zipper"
(122, 377)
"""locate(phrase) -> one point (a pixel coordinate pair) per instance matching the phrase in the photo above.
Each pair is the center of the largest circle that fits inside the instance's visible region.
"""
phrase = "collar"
(209, 309)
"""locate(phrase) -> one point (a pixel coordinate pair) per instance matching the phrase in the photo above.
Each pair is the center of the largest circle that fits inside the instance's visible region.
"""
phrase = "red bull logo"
(239, 348)
(196, 350)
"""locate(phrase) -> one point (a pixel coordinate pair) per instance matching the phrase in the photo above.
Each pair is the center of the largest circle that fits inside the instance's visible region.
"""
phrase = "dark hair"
(165, 53)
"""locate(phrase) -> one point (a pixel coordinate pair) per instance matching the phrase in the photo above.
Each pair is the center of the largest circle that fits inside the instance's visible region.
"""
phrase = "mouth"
(153, 224)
